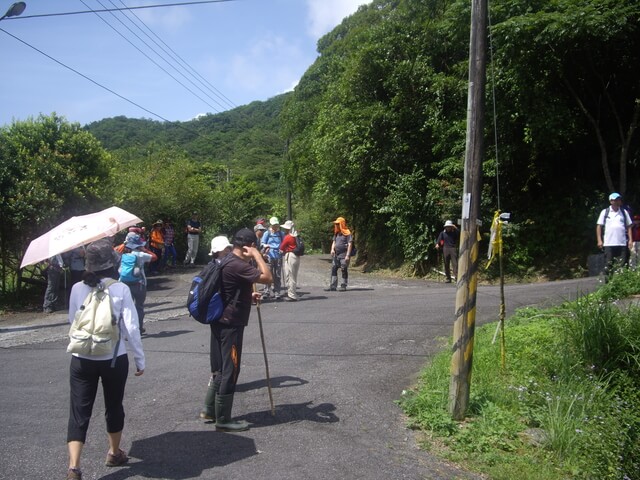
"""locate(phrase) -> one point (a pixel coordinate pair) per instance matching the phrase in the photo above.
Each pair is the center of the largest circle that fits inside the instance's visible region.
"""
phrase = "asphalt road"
(338, 361)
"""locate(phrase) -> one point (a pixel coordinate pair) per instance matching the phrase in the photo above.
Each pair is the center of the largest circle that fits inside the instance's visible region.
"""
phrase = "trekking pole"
(264, 352)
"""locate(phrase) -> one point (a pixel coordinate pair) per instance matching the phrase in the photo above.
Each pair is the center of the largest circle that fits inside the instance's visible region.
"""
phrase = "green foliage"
(242, 142)
(49, 170)
(566, 405)
(147, 185)
(377, 123)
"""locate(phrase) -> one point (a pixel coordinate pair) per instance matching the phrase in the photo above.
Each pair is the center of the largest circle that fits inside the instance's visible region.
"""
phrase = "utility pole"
(464, 326)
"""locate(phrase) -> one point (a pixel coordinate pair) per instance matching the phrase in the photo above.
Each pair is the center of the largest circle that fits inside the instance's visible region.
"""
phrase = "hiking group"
(106, 313)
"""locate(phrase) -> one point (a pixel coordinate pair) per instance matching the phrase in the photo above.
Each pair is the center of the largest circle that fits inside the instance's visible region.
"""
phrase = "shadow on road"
(182, 455)
(293, 413)
(167, 334)
(276, 382)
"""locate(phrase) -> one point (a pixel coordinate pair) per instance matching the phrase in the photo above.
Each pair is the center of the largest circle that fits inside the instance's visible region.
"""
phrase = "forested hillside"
(377, 123)
(243, 141)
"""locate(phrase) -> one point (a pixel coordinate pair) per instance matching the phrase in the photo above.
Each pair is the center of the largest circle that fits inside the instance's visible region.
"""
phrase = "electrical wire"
(178, 59)
(103, 87)
(149, 58)
(24, 17)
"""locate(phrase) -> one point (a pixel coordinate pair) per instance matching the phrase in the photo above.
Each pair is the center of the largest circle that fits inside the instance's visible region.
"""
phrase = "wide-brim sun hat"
(259, 226)
(219, 243)
(288, 225)
(449, 223)
(99, 255)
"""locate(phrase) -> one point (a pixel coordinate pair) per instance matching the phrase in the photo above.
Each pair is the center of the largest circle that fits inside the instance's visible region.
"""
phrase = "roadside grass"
(565, 406)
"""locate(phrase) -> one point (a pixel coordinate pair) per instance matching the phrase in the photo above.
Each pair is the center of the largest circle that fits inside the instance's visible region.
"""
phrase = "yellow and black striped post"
(467, 283)
(464, 326)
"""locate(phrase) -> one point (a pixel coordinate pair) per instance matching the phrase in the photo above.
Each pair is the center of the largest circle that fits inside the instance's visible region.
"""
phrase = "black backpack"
(299, 250)
(205, 301)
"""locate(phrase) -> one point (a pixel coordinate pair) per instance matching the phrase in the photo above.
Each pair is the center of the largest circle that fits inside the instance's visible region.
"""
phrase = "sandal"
(74, 474)
(117, 459)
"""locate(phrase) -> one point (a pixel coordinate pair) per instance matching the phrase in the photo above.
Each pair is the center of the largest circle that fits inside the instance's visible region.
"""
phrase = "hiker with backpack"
(237, 278)
(131, 271)
(270, 243)
(341, 248)
(448, 241)
(291, 260)
(618, 238)
(103, 316)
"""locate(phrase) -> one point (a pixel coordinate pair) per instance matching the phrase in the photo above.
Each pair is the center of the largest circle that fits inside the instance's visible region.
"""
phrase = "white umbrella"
(78, 231)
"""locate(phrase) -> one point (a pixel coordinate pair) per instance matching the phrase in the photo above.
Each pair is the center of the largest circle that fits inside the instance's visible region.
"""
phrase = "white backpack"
(95, 329)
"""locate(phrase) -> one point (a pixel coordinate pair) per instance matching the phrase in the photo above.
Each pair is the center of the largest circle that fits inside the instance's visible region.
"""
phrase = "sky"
(170, 63)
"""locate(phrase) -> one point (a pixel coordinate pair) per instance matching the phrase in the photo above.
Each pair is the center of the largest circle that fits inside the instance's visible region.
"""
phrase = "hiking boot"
(330, 289)
(116, 459)
(224, 403)
(208, 413)
(74, 474)
(343, 288)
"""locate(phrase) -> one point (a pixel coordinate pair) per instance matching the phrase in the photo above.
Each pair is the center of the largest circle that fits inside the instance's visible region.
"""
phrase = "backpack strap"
(107, 283)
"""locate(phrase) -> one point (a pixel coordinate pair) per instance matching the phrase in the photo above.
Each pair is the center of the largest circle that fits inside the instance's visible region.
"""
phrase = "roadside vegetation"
(565, 406)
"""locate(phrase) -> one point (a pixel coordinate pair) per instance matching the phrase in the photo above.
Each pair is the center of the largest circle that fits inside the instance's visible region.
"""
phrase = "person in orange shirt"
(341, 254)
(156, 243)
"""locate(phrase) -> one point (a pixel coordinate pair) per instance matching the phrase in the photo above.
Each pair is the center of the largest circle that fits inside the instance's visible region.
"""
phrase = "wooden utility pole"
(464, 327)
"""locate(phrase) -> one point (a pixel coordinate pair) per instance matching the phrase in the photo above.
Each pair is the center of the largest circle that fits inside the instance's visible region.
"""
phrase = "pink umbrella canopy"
(78, 231)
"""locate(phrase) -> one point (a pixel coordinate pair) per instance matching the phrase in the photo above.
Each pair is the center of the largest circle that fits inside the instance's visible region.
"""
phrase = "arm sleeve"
(130, 327)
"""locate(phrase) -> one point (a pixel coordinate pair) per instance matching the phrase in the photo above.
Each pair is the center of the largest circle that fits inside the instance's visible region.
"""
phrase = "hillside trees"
(165, 183)
(50, 170)
(244, 142)
(583, 59)
(377, 124)
(383, 121)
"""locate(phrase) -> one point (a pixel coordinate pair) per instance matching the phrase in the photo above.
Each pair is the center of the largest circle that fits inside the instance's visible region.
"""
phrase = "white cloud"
(324, 15)
(170, 19)
(270, 61)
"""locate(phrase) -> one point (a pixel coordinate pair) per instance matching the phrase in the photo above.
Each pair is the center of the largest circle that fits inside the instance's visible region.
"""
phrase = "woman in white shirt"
(87, 371)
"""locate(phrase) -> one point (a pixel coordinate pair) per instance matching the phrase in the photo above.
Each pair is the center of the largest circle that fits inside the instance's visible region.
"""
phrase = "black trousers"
(621, 252)
(83, 382)
(225, 355)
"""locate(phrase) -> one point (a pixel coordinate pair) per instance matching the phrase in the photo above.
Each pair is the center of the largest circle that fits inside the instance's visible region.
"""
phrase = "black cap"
(244, 238)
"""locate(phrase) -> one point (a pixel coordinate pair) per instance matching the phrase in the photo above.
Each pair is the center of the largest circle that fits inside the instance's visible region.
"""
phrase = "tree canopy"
(377, 123)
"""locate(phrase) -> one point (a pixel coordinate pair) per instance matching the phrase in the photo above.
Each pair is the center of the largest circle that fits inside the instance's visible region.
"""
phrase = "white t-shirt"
(614, 227)
(122, 303)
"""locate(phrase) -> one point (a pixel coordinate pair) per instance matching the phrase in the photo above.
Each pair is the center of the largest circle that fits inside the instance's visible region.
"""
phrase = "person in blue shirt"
(270, 242)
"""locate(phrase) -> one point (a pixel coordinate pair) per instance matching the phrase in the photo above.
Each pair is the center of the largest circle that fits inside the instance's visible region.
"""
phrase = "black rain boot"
(209, 411)
(224, 403)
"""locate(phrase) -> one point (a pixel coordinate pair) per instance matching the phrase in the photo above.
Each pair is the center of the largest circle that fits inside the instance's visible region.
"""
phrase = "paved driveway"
(338, 361)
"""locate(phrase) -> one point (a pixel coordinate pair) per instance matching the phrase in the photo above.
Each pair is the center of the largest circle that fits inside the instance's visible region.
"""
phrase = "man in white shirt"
(617, 240)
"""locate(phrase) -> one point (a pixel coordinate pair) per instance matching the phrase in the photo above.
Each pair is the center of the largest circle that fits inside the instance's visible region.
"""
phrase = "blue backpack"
(205, 301)
(129, 270)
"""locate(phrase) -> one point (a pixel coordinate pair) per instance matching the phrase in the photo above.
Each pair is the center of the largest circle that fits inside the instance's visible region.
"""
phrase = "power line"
(102, 86)
(23, 17)
(151, 59)
(176, 57)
